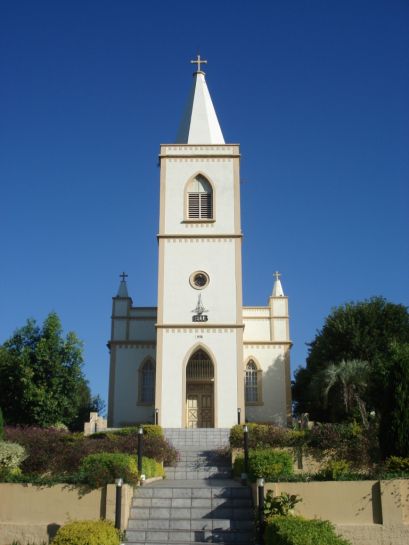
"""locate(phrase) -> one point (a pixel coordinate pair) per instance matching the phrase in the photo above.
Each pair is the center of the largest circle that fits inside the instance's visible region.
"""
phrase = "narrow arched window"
(251, 383)
(147, 382)
(199, 199)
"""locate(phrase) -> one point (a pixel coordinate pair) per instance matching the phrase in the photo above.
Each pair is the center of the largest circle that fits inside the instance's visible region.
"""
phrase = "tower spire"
(199, 123)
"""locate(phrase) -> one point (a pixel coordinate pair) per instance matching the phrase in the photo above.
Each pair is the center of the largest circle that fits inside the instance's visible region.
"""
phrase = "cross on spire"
(198, 61)
(277, 275)
(123, 276)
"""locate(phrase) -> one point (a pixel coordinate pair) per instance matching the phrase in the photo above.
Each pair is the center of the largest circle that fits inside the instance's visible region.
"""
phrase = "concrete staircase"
(198, 502)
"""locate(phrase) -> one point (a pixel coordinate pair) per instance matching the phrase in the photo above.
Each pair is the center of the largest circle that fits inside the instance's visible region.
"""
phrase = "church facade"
(199, 358)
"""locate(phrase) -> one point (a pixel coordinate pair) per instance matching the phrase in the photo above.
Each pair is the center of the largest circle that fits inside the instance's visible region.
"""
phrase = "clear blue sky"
(316, 93)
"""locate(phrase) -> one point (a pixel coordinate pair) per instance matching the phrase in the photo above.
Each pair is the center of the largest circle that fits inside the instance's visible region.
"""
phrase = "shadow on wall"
(273, 388)
(52, 529)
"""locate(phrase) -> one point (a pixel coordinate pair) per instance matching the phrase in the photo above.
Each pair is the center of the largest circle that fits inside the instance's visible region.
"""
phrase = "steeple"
(278, 288)
(123, 289)
(199, 124)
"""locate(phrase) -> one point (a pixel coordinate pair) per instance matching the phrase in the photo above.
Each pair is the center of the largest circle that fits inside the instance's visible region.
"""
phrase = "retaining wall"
(365, 512)
(33, 514)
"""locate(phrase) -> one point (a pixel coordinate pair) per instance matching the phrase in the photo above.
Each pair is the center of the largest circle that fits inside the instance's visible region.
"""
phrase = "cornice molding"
(200, 325)
(204, 235)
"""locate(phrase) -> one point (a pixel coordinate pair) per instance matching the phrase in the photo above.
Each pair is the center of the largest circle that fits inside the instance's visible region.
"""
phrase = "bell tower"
(199, 352)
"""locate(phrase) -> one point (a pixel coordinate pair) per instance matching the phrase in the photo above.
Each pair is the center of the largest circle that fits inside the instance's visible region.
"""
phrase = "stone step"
(168, 491)
(189, 524)
(189, 536)
(198, 475)
(199, 464)
(208, 437)
(210, 503)
(234, 513)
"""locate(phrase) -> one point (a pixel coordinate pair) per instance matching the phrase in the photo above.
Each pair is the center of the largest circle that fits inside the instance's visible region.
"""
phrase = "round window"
(199, 280)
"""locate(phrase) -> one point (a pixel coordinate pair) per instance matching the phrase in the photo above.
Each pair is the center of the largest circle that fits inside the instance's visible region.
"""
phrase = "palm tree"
(352, 375)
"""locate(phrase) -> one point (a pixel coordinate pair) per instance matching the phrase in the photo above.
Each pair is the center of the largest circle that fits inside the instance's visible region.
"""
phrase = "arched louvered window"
(147, 383)
(200, 199)
(252, 386)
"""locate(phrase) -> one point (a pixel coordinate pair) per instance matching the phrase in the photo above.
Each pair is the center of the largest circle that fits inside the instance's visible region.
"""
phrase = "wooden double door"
(200, 405)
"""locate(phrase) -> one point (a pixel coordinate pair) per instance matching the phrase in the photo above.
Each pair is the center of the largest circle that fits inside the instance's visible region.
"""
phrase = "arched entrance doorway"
(200, 391)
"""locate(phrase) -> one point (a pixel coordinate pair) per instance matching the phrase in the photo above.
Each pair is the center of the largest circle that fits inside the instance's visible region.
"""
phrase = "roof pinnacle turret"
(123, 288)
(277, 288)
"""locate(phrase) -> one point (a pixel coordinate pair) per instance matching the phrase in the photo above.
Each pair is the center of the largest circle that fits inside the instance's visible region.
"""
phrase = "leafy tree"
(41, 378)
(355, 331)
(1, 425)
(352, 376)
(394, 422)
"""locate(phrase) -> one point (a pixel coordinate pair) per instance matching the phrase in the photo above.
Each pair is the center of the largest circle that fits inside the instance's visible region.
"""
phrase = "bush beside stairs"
(198, 502)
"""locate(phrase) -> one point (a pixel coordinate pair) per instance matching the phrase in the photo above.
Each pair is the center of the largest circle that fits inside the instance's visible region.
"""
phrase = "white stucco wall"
(271, 360)
(126, 408)
(257, 329)
(142, 330)
(178, 345)
(218, 170)
(280, 329)
(119, 330)
(182, 257)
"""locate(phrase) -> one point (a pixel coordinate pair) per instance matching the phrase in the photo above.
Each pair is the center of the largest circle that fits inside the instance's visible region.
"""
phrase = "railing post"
(260, 490)
(118, 502)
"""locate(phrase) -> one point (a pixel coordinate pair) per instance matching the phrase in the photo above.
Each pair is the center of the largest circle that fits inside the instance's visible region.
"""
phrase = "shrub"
(101, 469)
(266, 435)
(149, 430)
(270, 464)
(1, 426)
(57, 452)
(151, 468)
(280, 505)
(283, 530)
(335, 470)
(397, 464)
(87, 532)
(11, 457)
(346, 441)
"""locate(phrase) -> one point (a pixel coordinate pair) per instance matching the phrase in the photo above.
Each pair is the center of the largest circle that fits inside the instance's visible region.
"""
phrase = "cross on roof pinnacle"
(198, 61)
(123, 276)
(277, 275)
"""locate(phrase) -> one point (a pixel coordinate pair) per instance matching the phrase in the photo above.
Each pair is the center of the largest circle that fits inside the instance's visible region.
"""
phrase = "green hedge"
(268, 463)
(267, 435)
(292, 530)
(152, 468)
(101, 469)
(149, 430)
(87, 532)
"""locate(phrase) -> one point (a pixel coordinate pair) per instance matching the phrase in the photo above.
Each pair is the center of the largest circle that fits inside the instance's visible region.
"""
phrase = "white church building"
(199, 359)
